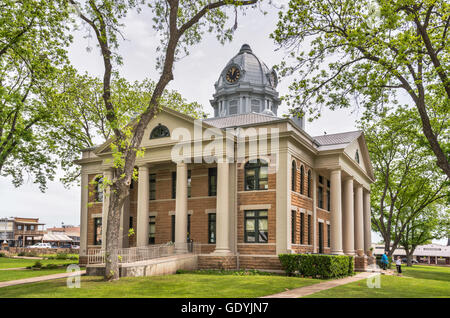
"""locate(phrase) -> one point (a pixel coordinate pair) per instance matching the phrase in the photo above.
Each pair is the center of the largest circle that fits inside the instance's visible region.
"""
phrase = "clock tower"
(244, 86)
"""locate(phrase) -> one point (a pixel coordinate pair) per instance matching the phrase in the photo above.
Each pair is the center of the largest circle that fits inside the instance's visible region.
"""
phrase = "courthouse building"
(294, 193)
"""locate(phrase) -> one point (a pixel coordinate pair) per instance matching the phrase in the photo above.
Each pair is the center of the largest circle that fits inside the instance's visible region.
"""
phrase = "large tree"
(32, 50)
(180, 24)
(371, 53)
(432, 223)
(82, 120)
(407, 183)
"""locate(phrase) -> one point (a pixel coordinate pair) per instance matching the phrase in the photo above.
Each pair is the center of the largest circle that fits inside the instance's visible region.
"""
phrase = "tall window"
(152, 181)
(309, 229)
(131, 223)
(174, 184)
(99, 189)
(151, 230)
(189, 183)
(189, 228)
(328, 196)
(293, 226)
(256, 175)
(172, 219)
(320, 196)
(97, 231)
(309, 183)
(329, 235)
(212, 181)
(293, 175)
(212, 228)
(357, 156)
(302, 176)
(256, 229)
(302, 228)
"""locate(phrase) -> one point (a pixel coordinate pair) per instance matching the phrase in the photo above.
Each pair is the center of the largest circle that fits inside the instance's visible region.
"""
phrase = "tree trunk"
(116, 201)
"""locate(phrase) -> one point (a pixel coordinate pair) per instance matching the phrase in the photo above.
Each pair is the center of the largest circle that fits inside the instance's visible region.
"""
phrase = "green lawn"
(179, 285)
(417, 282)
(6, 262)
(27, 273)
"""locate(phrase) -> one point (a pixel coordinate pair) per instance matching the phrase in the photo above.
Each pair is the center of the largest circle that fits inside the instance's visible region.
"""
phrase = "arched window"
(294, 175)
(256, 175)
(160, 131)
(357, 156)
(309, 183)
(302, 176)
(99, 189)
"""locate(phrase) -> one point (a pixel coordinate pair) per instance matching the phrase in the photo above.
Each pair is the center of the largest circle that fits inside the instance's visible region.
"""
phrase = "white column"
(336, 213)
(223, 209)
(367, 223)
(359, 220)
(142, 207)
(84, 214)
(107, 175)
(181, 213)
(314, 218)
(348, 217)
(283, 219)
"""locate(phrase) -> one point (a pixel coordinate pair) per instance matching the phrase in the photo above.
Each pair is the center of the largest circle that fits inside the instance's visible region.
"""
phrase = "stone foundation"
(361, 263)
(217, 262)
(159, 266)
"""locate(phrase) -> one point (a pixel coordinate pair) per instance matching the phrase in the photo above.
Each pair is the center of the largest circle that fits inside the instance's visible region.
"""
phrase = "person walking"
(384, 261)
(398, 263)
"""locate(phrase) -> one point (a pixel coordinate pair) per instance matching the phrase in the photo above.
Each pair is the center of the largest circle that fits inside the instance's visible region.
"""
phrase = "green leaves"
(345, 55)
(32, 49)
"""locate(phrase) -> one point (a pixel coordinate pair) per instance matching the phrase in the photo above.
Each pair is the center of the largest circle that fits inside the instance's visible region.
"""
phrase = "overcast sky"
(194, 78)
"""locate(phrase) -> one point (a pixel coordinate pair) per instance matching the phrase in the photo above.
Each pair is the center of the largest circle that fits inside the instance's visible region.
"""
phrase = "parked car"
(41, 245)
(75, 247)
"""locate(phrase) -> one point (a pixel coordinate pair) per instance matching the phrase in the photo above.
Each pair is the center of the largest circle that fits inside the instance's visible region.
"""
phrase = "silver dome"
(252, 89)
(253, 70)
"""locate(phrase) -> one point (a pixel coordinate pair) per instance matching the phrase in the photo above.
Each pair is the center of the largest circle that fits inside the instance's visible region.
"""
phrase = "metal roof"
(56, 238)
(337, 139)
(240, 120)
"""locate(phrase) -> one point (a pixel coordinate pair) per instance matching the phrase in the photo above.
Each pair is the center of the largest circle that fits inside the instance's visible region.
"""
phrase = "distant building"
(21, 232)
(428, 254)
(6, 231)
(66, 231)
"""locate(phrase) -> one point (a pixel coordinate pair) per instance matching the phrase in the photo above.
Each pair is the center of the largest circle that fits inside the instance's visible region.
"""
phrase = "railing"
(137, 254)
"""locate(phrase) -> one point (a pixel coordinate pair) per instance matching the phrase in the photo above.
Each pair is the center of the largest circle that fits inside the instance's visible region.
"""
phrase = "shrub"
(2, 254)
(317, 266)
(61, 256)
(241, 272)
(50, 266)
(37, 264)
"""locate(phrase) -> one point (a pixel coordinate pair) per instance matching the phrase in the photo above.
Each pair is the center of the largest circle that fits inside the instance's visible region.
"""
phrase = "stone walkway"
(39, 279)
(308, 290)
(12, 269)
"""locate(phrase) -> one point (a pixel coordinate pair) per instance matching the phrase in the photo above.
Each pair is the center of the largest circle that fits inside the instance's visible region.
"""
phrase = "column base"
(361, 263)
(338, 252)
(222, 252)
(351, 253)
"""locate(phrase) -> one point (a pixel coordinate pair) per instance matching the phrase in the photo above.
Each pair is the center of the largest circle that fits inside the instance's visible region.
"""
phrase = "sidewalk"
(39, 279)
(308, 290)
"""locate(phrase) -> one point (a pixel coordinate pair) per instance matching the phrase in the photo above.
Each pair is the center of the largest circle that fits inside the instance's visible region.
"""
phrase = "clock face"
(233, 74)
